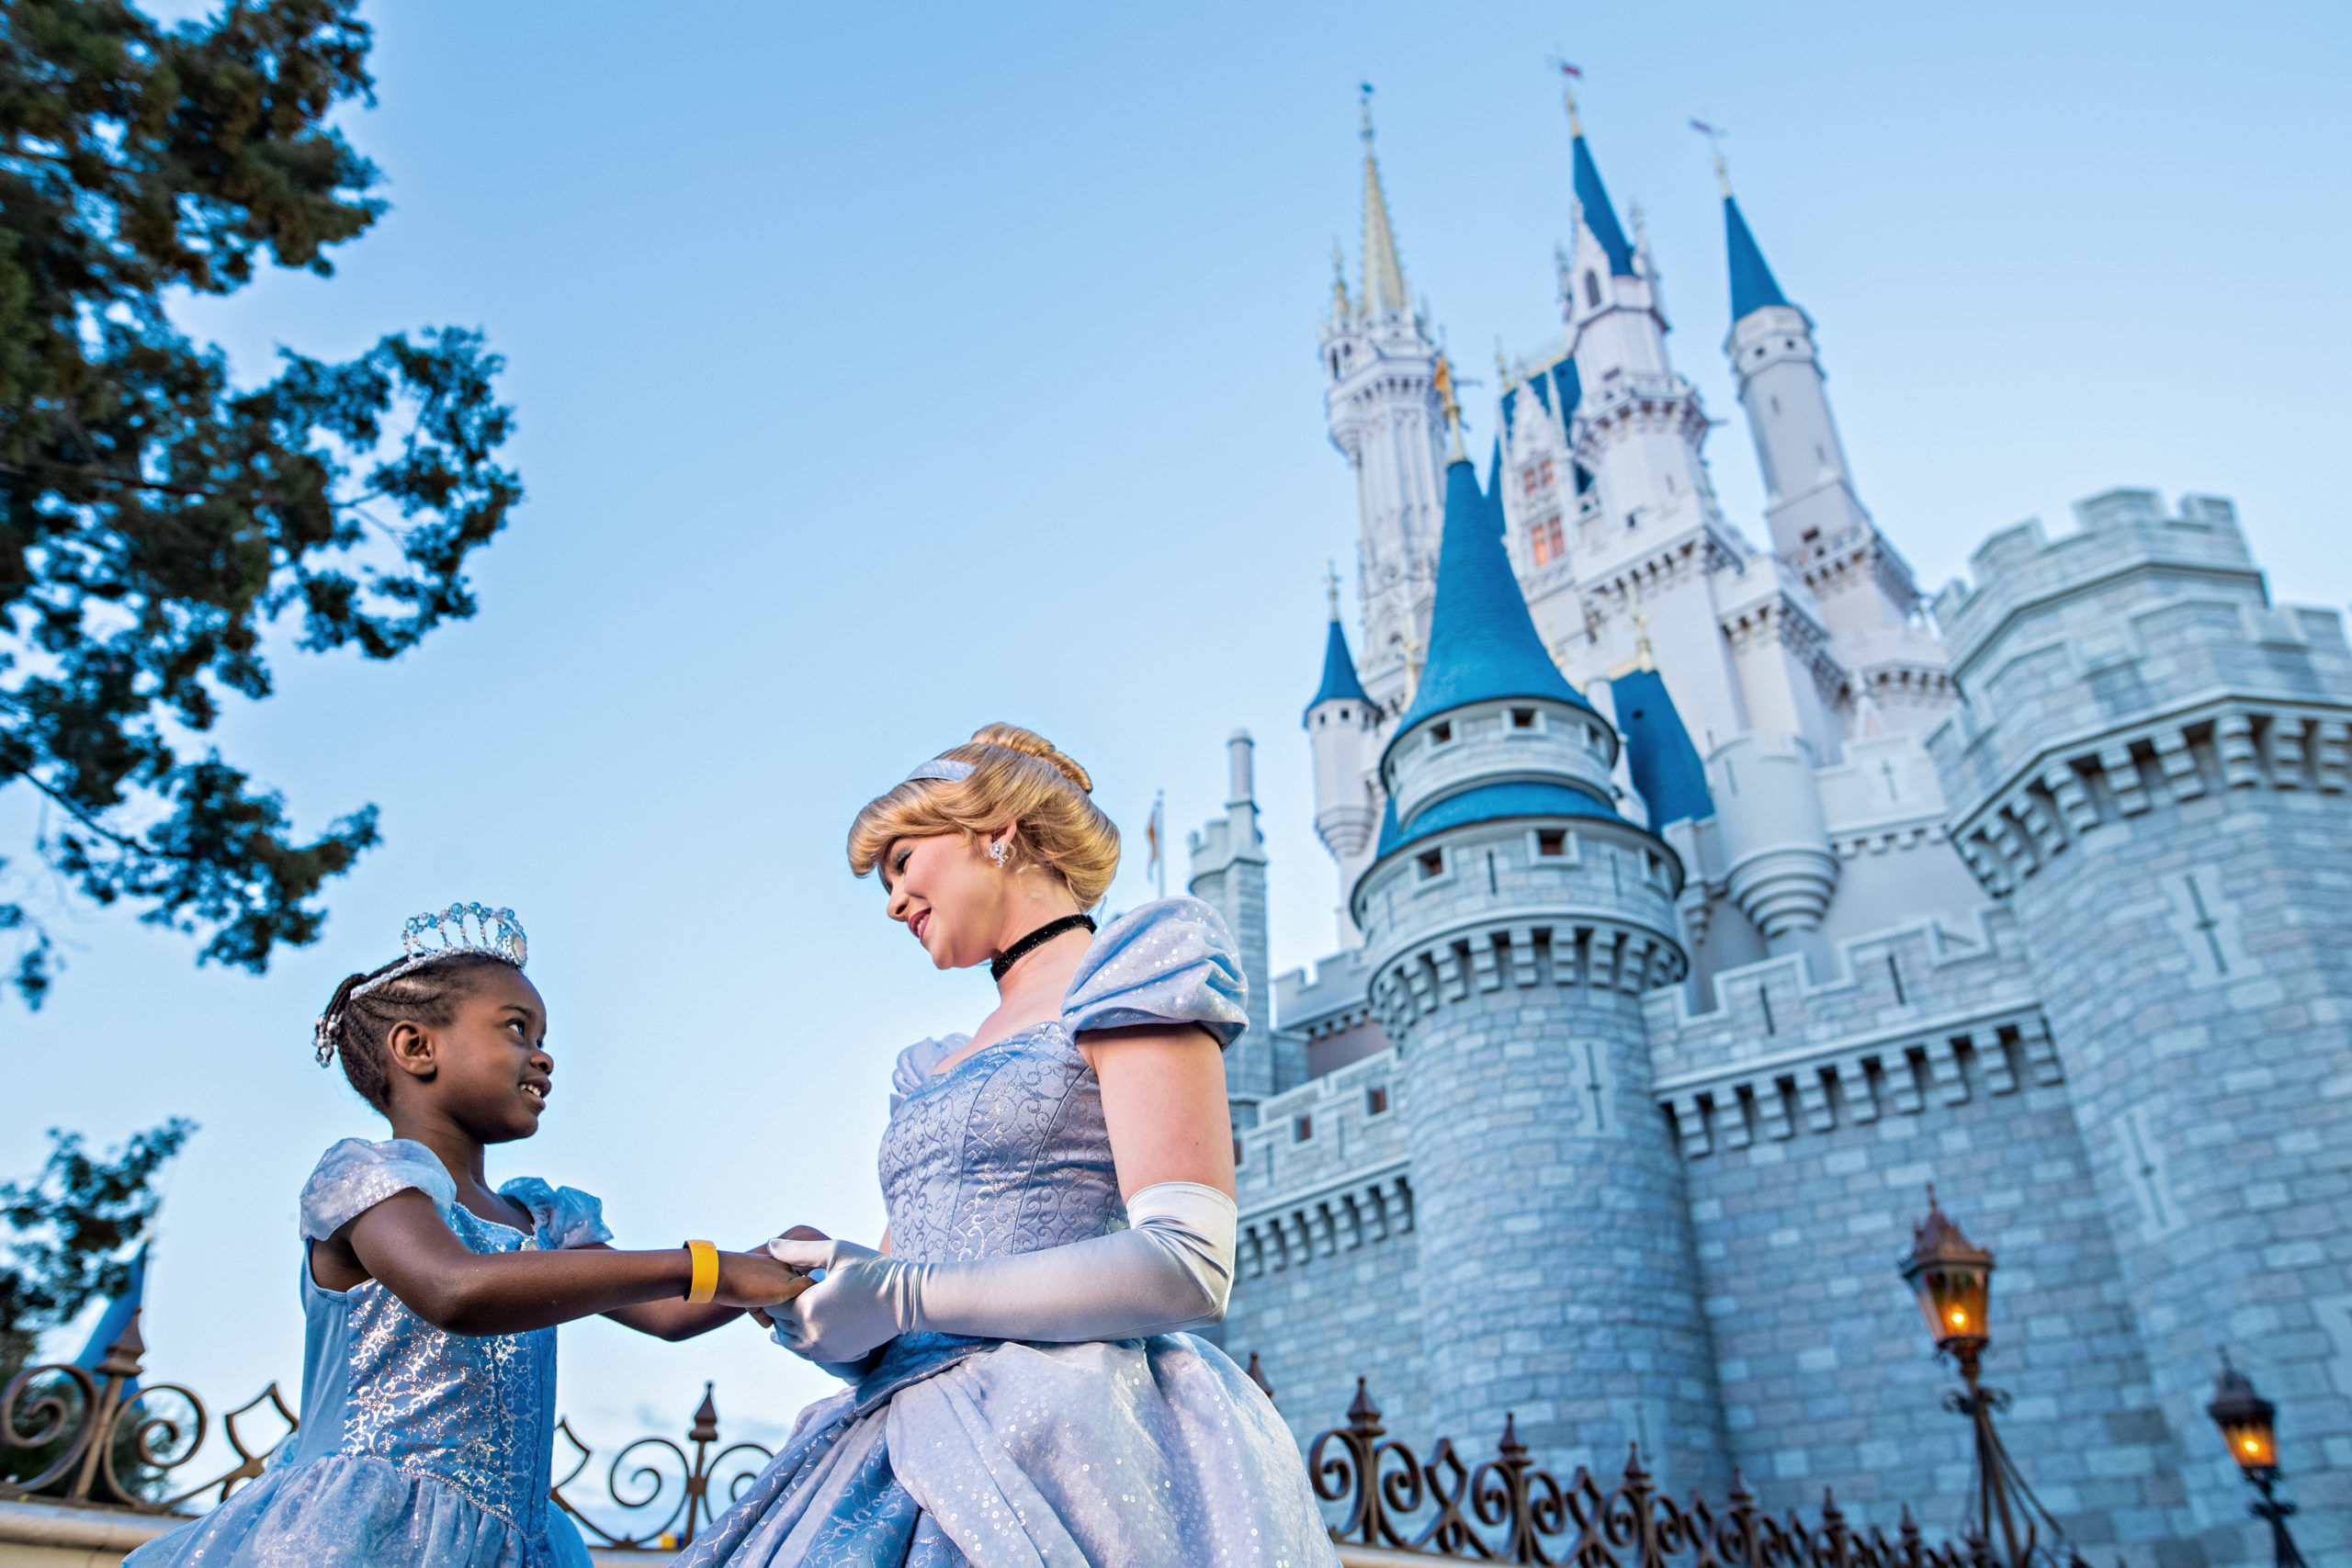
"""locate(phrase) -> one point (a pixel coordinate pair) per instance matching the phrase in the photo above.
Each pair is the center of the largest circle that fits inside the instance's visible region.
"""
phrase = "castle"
(1702, 901)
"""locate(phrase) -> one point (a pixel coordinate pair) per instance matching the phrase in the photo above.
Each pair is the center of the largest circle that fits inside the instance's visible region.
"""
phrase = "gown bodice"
(476, 1413)
(1006, 1151)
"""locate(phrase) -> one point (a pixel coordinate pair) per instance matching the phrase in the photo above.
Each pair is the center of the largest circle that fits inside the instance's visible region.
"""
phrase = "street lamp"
(1952, 1279)
(2244, 1418)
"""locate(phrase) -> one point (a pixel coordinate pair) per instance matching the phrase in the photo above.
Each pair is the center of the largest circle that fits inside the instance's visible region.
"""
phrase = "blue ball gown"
(418, 1446)
(1139, 1453)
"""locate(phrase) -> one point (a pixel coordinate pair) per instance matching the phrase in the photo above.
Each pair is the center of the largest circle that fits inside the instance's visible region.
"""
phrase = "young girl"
(428, 1368)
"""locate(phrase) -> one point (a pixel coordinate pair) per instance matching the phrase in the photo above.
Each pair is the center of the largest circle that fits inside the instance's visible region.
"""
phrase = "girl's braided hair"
(358, 1029)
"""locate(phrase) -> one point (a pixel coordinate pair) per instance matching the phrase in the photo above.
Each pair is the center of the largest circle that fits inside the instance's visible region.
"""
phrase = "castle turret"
(1381, 395)
(2149, 766)
(1512, 919)
(1819, 525)
(1343, 734)
(1228, 871)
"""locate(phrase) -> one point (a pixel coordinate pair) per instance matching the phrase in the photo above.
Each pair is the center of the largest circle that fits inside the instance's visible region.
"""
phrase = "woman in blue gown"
(1059, 1186)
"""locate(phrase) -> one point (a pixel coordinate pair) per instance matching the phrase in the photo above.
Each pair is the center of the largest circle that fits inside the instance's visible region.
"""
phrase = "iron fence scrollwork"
(659, 1463)
(110, 1441)
(1505, 1509)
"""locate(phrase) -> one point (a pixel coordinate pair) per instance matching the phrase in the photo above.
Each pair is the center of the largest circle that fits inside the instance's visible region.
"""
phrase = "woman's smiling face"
(949, 895)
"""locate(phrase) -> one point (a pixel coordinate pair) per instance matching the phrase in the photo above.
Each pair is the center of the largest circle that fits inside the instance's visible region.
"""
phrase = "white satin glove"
(1171, 1269)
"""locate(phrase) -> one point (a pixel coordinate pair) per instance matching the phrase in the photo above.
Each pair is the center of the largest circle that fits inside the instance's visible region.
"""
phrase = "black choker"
(1002, 964)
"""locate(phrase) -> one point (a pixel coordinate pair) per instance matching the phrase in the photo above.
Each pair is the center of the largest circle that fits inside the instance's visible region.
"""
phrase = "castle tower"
(1229, 872)
(1382, 396)
(1512, 920)
(1819, 525)
(1343, 737)
(2149, 766)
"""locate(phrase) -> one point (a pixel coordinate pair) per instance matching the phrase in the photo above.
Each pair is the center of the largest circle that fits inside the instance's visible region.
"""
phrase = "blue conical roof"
(1598, 216)
(1752, 285)
(1338, 672)
(1483, 644)
(1658, 754)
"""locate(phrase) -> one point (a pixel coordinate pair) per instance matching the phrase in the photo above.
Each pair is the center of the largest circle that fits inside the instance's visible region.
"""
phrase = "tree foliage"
(156, 518)
(75, 1227)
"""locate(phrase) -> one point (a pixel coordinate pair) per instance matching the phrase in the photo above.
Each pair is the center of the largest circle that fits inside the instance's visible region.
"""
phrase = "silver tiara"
(943, 768)
(429, 939)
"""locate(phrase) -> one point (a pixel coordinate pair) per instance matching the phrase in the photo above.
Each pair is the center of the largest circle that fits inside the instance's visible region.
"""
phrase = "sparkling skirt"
(343, 1511)
(1133, 1453)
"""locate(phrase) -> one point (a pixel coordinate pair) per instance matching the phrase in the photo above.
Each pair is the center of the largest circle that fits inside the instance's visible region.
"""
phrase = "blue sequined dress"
(1138, 1453)
(417, 1446)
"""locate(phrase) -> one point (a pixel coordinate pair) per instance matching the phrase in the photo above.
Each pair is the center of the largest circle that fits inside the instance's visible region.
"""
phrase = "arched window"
(1593, 289)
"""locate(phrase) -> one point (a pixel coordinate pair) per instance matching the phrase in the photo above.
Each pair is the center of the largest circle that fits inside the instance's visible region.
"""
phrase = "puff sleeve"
(1170, 961)
(356, 1175)
(561, 1217)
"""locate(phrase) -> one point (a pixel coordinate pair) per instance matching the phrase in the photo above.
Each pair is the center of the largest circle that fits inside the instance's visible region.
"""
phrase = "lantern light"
(1953, 1280)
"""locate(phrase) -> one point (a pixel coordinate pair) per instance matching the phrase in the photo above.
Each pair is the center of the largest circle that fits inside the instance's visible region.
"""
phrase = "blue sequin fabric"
(418, 1446)
(1143, 1453)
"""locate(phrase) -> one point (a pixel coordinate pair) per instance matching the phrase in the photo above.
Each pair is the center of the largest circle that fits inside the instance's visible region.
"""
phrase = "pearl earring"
(996, 854)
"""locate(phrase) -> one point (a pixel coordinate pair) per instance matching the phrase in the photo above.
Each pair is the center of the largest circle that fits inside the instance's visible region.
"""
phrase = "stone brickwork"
(2149, 766)
(1327, 1283)
(1565, 1293)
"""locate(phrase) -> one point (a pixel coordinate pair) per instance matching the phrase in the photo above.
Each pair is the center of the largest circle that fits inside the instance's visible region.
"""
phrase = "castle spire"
(1593, 197)
(1753, 287)
(1483, 643)
(1384, 275)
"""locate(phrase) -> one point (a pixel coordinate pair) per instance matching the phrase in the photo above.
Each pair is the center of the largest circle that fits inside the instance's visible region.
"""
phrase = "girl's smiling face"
(949, 895)
(487, 1070)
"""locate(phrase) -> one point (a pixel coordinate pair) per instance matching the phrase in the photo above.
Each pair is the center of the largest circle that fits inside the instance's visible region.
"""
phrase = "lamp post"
(1953, 1280)
(2244, 1418)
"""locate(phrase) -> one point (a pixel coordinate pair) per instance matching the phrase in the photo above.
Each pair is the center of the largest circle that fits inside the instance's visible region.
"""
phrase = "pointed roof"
(1483, 644)
(1384, 275)
(1338, 672)
(1665, 766)
(1598, 216)
(1752, 285)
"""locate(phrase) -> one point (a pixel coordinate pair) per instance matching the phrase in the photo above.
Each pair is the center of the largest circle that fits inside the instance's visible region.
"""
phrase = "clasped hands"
(866, 1298)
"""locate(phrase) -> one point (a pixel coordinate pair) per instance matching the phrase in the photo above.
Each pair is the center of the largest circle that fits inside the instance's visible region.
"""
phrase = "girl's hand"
(756, 1280)
(798, 1233)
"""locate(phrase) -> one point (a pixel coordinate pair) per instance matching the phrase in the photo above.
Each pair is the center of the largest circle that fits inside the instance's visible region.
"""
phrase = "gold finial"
(1412, 669)
(1502, 367)
(1569, 77)
(1332, 586)
(1716, 146)
(1339, 279)
(1642, 657)
(1452, 409)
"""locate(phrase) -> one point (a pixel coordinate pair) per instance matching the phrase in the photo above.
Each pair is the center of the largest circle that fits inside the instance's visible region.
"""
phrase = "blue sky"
(885, 372)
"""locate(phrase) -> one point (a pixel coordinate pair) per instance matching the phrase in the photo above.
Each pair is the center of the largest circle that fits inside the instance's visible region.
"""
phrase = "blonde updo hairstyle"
(1017, 776)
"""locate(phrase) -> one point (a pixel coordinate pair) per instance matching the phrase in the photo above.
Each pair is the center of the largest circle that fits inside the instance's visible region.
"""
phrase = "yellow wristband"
(705, 1283)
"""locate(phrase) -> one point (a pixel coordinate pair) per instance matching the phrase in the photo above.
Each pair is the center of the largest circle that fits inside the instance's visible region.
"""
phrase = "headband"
(945, 769)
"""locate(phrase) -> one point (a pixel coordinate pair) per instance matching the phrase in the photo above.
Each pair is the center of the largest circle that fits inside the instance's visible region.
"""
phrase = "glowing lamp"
(1952, 1278)
(2244, 1418)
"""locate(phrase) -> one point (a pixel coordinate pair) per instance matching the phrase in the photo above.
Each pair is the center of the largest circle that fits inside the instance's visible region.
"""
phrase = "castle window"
(1237, 1154)
(1546, 540)
(1551, 844)
(1343, 716)
(1593, 289)
(1301, 1128)
(1654, 867)
(1522, 718)
(1441, 734)
(1432, 864)
(1528, 481)
(1375, 1099)
(1546, 470)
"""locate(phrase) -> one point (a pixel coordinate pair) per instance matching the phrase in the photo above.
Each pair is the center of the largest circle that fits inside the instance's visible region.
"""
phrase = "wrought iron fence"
(652, 1474)
(1505, 1509)
(98, 1436)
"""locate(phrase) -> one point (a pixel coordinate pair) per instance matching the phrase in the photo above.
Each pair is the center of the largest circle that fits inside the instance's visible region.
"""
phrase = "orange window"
(1550, 544)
